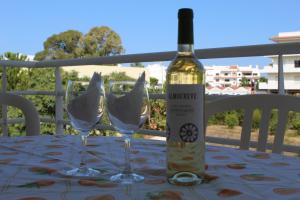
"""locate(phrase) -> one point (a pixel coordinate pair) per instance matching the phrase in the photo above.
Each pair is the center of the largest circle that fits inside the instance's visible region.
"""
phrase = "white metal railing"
(225, 52)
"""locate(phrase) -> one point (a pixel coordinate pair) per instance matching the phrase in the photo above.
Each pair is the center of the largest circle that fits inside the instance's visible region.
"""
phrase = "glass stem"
(82, 166)
(127, 169)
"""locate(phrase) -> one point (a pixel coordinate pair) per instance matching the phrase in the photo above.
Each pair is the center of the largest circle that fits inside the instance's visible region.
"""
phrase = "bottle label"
(185, 116)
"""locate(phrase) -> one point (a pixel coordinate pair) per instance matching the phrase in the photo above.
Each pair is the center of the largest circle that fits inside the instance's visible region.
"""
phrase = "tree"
(116, 76)
(153, 82)
(33, 79)
(14, 74)
(15, 80)
(244, 82)
(231, 119)
(61, 46)
(137, 64)
(13, 56)
(99, 41)
(263, 79)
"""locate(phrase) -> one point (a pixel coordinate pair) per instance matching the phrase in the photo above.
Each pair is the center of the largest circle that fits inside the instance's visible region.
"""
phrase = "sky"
(150, 26)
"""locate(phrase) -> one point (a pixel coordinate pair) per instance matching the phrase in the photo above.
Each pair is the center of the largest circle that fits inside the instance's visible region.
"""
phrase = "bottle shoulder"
(185, 63)
(185, 70)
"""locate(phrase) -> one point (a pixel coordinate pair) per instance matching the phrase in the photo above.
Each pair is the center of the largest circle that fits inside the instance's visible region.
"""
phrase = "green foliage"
(263, 80)
(14, 74)
(40, 79)
(245, 82)
(61, 46)
(13, 56)
(99, 41)
(273, 121)
(256, 118)
(153, 82)
(15, 81)
(217, 119)
(137, 64)
(164, 88)
(117, 76)
(295, 122)
(34, 79)
(231, 119)
(157, 115)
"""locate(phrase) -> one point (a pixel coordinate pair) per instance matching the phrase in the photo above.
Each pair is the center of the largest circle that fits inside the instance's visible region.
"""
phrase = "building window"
(247, 74)
(297, 63)
(217, 80)
(254, 74)
(217, 74)
(227, 80)
(226, 74)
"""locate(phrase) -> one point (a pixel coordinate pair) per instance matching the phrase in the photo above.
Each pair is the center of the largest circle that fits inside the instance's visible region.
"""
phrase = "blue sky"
(149, 26)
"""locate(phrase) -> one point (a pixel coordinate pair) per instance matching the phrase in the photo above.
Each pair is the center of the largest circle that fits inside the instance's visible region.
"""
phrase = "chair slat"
(263, 129)
(246, 129)
(280, 130)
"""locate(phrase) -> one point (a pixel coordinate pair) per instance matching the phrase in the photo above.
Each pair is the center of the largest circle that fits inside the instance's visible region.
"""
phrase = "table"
(29, 170)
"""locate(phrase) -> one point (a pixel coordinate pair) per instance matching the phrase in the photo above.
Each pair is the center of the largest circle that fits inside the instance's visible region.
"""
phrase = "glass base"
(185, 179)
(127, 178)
(85, 172)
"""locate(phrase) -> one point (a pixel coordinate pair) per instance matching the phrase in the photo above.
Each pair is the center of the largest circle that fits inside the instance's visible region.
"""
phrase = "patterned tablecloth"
(29, 170)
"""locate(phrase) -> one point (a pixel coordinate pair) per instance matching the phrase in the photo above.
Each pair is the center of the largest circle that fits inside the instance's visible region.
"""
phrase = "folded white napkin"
(126, 110)
(86, 106)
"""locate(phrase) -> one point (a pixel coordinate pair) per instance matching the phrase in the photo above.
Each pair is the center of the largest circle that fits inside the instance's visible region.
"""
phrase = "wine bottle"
(185, 109)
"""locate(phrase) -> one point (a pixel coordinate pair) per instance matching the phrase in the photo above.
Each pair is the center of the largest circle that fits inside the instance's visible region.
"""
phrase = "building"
(88, 70)
(30, 58)
(217, 90)
(158, 71)
(230, 76)
(220, 80)
(291, 66)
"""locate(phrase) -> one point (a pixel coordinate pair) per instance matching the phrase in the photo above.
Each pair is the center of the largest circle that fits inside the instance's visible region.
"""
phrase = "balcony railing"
(225, 52)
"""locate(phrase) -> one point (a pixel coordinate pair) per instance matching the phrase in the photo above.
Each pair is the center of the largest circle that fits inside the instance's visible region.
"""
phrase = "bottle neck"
(185, 32)
(185, 49)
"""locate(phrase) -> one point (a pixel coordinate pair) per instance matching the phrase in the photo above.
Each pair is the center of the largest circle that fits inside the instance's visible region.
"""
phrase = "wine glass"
(128, 109)
(84, 105)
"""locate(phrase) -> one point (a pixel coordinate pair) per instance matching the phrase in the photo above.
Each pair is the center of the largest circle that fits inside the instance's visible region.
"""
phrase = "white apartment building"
(230, 76)
(291, 66)
(217, 90)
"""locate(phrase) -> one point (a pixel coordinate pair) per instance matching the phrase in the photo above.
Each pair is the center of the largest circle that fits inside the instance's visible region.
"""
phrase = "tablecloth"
(30, 170)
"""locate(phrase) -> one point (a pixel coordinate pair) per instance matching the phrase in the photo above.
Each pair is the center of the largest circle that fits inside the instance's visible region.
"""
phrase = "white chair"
(32, 120)
(265, 102)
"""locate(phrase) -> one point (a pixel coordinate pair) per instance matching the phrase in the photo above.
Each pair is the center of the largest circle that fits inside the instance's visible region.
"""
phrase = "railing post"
(59, 112)
(280, 75)
(4, 107)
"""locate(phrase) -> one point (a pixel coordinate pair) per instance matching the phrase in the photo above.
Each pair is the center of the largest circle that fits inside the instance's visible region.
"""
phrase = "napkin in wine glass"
(127, 108)
(86, 106)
